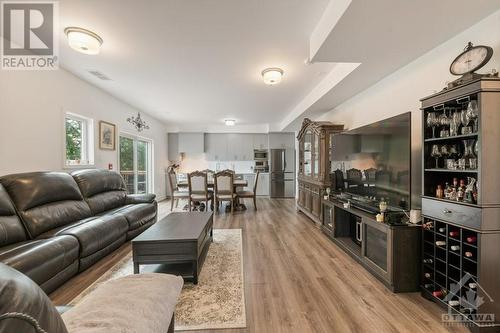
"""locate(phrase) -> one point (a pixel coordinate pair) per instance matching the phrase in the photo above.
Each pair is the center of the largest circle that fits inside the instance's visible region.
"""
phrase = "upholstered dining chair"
(174, 190)
(224, 190)
(198, 188)
(250, 194)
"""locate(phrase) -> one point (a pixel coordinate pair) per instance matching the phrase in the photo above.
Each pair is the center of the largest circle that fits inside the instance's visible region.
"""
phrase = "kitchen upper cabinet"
(216, 147)
(229, 147)
(260, 141)
(173, 147)
(191, 143)
(281, 140)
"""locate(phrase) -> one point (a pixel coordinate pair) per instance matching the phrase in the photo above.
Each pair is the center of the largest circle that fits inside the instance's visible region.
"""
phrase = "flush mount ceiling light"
(83, 40)
(230, 122)
(272, 76)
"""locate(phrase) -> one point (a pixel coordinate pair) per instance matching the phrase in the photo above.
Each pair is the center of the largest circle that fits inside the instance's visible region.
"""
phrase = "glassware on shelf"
(473, 114)
(432, 121)
(470, 158)
(469, 190)
(436, 153)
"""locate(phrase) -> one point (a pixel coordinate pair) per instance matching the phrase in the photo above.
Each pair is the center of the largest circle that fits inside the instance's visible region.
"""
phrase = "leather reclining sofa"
(54, 224)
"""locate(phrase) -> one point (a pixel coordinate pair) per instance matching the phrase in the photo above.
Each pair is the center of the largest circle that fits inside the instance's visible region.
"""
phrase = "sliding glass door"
(135, 163)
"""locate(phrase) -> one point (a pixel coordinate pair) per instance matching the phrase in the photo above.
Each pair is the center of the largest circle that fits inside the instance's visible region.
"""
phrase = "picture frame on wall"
(107, 135)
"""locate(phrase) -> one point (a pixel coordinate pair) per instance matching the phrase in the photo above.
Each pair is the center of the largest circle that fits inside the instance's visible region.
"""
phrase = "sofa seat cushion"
(137, 215)
(134, 303)
(41, 259)
(97, 233)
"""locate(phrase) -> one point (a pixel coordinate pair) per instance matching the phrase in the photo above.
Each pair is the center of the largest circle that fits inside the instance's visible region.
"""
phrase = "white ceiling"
(193, 63)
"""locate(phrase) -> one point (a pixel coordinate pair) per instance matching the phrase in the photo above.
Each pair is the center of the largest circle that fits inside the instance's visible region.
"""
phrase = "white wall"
(32, 104)
(401, 91)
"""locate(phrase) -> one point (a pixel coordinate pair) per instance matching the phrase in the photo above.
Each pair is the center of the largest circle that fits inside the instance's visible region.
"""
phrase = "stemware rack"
(476, 215)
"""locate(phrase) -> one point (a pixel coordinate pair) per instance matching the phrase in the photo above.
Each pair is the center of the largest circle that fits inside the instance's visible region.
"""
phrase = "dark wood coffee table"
(179, 239)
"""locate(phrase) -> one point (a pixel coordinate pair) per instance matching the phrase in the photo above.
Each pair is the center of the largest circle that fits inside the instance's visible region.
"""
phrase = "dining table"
(210, 183)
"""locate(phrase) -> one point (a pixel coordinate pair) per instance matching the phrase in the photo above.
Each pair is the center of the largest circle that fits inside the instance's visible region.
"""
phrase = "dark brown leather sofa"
(53, 224)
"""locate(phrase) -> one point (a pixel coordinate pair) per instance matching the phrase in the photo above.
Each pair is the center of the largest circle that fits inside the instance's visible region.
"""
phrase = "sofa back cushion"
(22, 296)
(11, 228)
(45, 200)
(102, 189)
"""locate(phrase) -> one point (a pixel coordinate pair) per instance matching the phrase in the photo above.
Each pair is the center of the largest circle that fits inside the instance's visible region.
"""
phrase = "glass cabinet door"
(308, 138)
(316, 154)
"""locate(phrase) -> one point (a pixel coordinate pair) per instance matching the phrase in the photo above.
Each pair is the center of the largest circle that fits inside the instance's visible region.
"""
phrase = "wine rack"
(445, 266)
(461, 237)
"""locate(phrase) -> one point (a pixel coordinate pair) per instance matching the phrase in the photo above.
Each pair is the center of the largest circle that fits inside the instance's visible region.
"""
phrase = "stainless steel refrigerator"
(282, 169)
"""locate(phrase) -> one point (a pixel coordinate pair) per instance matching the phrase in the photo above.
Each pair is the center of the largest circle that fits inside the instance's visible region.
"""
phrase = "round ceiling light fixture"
(230, 122)
(272, 76)
(83, 40)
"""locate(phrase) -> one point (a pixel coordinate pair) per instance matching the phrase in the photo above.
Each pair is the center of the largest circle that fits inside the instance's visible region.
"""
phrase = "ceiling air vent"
(100, 75)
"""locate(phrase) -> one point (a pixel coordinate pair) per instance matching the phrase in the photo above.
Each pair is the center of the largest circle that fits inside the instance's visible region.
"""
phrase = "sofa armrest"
(140, 198)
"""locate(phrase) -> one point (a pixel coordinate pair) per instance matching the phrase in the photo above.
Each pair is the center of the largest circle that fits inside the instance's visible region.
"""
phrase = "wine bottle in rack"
(428, 261)
(471, 239)
(440, 243)
(455, 248)
(468, 254)
(453, 303)
(472, 285)
(428, 285)
(454, 233)
(439, 293)
(442, 230)
(428, 275)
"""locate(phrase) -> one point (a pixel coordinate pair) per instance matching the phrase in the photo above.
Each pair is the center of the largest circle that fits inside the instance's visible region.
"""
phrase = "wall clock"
(469, 61)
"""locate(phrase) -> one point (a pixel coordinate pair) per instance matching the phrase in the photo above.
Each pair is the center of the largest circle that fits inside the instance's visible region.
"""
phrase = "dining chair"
(198, 188)
(176, 194)
(250, 194)
(224, 189)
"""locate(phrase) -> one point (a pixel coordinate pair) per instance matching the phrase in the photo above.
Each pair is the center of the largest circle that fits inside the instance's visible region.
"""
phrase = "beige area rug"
(217, 301)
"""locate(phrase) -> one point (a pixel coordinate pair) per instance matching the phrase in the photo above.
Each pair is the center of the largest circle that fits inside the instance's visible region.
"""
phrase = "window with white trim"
(78, 141)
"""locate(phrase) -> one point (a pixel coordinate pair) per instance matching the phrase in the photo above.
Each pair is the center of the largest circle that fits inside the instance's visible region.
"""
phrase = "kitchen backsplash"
(193, 163)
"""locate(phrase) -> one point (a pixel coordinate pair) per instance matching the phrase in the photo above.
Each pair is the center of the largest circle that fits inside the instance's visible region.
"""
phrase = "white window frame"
(87, 160)
(150, 170)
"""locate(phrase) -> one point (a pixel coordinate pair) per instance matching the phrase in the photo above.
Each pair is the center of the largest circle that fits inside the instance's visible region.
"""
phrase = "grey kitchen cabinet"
(263, 184)
(216, 146)
(173, 147)
(281, 140)
(229, 147)
(191, 143)
(260, 141)
(250, 178)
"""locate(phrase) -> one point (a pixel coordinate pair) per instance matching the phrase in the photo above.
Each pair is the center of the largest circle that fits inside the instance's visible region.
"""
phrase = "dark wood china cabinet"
(314, 165)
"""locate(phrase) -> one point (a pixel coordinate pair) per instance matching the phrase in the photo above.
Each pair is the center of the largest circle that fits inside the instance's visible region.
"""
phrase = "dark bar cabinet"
(461, 202)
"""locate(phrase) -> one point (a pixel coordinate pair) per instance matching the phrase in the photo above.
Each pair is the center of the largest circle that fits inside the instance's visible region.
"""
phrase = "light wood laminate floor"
(296, 280)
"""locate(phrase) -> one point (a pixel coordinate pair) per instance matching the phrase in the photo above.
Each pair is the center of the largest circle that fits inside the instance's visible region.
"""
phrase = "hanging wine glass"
(432, 122)
(456, 121)
(465, 121)
(436, 153)
(473, 113)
